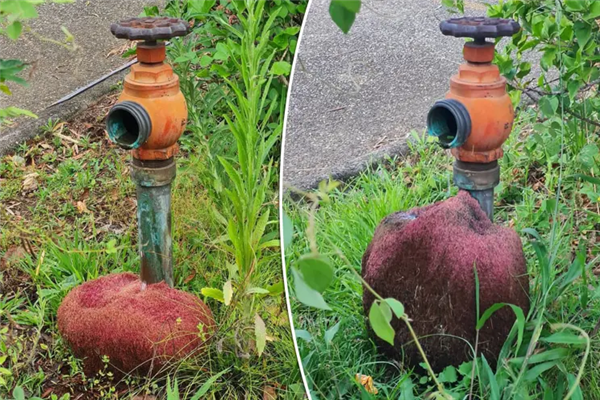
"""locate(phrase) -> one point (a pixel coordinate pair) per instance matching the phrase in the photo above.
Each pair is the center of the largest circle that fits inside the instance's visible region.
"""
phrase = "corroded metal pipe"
(153, 180)
(479, 180)
(485, 198)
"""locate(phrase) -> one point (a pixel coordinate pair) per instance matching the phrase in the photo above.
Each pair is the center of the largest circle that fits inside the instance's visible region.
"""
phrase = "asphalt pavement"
(355, 98)
(55, 70)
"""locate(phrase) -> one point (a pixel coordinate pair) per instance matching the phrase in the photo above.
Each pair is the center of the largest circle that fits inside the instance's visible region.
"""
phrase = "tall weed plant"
(234, 68)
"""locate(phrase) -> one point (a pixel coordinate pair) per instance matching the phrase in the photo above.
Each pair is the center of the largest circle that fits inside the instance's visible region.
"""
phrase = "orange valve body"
(155, 87)
(482, 90)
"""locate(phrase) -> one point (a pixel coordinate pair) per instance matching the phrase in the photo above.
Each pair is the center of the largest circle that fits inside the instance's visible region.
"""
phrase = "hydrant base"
(425, 258)
(139, 328)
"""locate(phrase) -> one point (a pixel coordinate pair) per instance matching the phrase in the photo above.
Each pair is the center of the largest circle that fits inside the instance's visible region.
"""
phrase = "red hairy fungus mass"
(138, 329)
(424, 258)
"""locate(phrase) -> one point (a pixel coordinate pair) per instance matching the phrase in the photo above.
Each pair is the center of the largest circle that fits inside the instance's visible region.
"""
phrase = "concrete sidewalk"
(355, 98)
(56, 71)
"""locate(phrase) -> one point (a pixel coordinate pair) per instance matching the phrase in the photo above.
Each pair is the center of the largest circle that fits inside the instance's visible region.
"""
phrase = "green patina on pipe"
(485, 198)
(154, 219)
(154, 233)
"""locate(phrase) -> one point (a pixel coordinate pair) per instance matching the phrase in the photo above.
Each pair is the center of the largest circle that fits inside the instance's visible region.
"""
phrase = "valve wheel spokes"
(479, 27)
(150, 28)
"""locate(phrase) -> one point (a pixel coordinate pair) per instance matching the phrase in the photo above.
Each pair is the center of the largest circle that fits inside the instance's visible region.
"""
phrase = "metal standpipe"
(148, 119)
(479, 180)
(153, 180)
(476, 117)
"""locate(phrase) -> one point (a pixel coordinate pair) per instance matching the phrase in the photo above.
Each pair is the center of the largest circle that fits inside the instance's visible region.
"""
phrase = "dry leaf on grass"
(269, 393)
(30, 182)
(367, 382)
(12, 256)
(82, 208)
(18, 161)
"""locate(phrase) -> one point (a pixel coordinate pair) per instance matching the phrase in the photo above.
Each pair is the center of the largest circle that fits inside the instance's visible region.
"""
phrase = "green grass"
(75, 220)
(531, 172)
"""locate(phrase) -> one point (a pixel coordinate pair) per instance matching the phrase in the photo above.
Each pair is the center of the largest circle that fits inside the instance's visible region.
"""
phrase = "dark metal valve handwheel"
(479, 28)
(150, 29)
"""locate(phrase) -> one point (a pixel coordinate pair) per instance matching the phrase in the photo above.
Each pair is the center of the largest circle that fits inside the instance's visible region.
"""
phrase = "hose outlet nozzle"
(449, 121)
(128, 124)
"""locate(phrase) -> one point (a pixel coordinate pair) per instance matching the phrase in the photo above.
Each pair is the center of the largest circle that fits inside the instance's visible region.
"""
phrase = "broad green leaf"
(564, 337)
(15, 112)
(201, 6)
(110, 246)
(491, 378)
(239, 5)
(330, 333)
(386, 310)
(222, 52)
(566, 32)
(573, 86)
(549, 355)
(587, 154)
(18, 392)
(227, 292)
(14, 30)
(205, 61)
(466, 368)
(380, 322)
(259, 228)
(548, 105)
(524, 69)
(172, 391)
(448, 375)
(306, 295)
(548, 58)
(5, 89)
(593, 11)
(213, 293)
(18, 9)
(189, 56)
(449, 4)
(288, 229)
(260, 332)
(583, 32)
(276, 289)
(587, 178)
(282, 39)
(575, 5)
(350, 5)
(317, 271)
(9, 69)
(407, 388)
(257, 290)
(220, 70)
(281, 68)
(577, 394)
(396, 306)
(200, 394)
(343, 13)
(303, 334)
(533, 373)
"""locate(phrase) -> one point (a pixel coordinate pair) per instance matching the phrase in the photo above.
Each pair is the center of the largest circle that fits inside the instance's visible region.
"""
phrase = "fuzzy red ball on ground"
(425, 257)
(137, 328)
